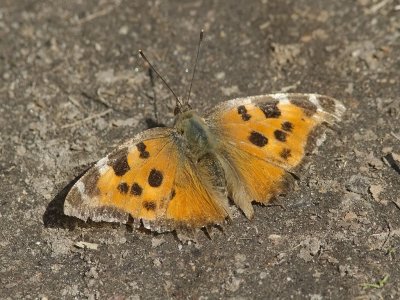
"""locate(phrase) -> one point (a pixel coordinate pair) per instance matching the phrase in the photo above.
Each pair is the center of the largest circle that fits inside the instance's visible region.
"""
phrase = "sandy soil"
(72, 87)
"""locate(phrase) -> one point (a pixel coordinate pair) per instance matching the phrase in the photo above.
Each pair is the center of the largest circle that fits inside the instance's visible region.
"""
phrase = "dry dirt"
(72, 87)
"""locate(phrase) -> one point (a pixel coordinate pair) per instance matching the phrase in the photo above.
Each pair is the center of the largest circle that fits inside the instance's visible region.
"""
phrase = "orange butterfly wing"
(264, 137)
(252, 145)
(149, 179)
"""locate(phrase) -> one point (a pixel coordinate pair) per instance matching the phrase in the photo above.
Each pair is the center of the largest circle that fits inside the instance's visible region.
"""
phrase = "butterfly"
(243, 150)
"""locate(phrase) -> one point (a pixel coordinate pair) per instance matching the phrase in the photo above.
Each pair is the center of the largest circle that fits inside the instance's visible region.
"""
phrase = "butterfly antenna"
(153, 87)
(158, 74)
(195, 64)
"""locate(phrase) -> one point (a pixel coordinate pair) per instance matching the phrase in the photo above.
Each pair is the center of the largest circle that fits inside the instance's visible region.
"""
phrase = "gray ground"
(72, 87)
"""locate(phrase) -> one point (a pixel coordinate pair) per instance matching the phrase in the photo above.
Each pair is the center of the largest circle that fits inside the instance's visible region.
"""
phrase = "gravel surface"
(72, 87)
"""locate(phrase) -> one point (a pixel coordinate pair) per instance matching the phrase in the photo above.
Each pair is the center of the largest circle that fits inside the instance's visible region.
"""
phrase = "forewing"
(264, 137)
(148, 178)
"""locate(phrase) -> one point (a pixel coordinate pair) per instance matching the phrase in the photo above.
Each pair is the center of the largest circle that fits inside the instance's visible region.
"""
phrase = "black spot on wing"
(270, 109)
(287, 126)
(149, 205)
(136, 189)
(258, 139)
(308, 107)
(243, 112)
(142, 150)
(155, 178)
(123, 188)
(280, 135)
(118, 160)
(173, 193)
(285, 153)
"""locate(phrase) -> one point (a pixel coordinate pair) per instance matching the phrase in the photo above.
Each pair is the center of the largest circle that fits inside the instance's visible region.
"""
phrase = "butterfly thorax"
(195, 134)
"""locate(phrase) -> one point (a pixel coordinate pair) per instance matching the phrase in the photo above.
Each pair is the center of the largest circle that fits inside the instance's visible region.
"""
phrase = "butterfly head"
(181, 108)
